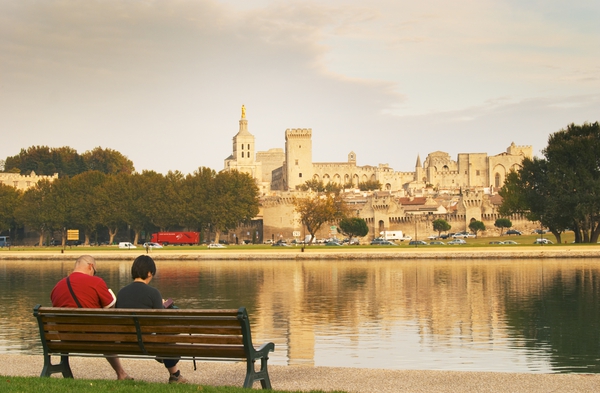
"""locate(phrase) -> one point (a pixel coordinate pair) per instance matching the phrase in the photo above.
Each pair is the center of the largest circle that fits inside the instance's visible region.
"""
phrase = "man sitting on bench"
(83, 289)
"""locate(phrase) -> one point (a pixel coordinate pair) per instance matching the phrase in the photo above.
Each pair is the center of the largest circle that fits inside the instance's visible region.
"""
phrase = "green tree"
(440, 225)
(353, 227)
(46, 161)
(370, 185)
(195, 196)
(561, 191)
(502, 223)
(35, 208)
(84, 195)
(9, 200)
(107, 161)
(476, 226)
(112, 199)
(316, 210)
(233, 200)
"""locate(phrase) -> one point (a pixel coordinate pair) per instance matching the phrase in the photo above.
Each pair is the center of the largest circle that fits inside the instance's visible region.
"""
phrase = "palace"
(458, 191)
(23, 182)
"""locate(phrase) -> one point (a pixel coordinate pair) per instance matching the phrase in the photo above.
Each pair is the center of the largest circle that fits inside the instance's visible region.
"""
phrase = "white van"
(126, 245)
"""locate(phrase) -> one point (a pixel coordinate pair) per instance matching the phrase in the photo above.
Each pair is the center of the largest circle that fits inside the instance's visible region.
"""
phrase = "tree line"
(98, 203)
(66, 161)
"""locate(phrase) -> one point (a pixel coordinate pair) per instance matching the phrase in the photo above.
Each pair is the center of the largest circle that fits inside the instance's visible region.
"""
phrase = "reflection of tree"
(565, 317)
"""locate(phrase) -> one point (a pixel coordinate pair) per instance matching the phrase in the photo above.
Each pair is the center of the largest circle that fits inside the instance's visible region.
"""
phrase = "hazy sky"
(163, 81)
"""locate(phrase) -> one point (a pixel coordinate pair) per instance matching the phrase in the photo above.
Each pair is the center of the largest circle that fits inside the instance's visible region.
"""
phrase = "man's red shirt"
(91, 291)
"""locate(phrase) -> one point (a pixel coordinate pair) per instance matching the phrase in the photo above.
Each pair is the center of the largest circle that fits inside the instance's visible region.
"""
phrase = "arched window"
(497, 179)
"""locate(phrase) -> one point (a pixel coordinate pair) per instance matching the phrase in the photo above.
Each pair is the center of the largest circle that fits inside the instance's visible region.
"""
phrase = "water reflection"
(517, 316)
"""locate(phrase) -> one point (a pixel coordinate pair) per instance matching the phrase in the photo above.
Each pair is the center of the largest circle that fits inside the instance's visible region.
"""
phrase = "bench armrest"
(263, 351)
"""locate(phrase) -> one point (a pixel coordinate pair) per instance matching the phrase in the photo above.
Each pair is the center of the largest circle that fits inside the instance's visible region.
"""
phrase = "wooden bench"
(141, 333)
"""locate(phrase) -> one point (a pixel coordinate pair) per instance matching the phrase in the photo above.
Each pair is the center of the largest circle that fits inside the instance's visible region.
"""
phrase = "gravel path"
(304, 378)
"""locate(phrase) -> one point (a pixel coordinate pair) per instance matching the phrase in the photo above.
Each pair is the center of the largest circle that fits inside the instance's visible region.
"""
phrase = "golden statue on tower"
(243, 112)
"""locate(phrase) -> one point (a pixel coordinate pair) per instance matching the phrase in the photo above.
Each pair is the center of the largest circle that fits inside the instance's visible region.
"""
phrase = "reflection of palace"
(452, 304)
(459, 191)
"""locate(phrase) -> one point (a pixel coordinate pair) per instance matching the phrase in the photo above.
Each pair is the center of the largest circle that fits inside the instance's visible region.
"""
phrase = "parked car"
(513, 232)
(457, 241)
(280, 244)
(126, 245)
(461, 235)
(382, 242)
(152, 245)
(496, 242)
(437, 243)
(417, 243)
(510, 242)
(432, 237)
(216, 245)
(543, 241)
(333, 243)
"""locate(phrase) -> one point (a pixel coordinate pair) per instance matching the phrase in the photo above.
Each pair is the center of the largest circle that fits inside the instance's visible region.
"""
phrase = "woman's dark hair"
(143, 265)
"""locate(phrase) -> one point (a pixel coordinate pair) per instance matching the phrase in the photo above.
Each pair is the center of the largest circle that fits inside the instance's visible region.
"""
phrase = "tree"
(369, 185)
(353, 227)
(9, 200)
(502, 223)
(35, 208)
(314, 211)
(440, 225)
(476, 226)
(195, 196)
(233, 200)
(112, 199)
(107, 161)
(563, 190)
(47, 161)
(86, 213)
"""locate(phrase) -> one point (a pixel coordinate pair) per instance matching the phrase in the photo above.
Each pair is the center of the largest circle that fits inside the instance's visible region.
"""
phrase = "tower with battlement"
(298, 165)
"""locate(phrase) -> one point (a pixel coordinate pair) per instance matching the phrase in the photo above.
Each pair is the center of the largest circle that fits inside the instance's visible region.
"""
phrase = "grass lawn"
(59, 385)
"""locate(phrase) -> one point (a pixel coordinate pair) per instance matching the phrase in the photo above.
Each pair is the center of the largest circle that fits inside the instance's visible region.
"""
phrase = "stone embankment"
(317, 253)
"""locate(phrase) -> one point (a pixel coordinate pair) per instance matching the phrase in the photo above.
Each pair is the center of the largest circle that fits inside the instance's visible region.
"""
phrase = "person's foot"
(177, 378)
(124, 377)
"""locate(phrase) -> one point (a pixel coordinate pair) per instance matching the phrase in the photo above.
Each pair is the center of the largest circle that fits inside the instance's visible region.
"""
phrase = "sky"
(163, 82)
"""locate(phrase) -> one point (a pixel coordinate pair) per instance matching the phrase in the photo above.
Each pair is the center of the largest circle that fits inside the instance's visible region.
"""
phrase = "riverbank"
(304, 378)
(313, 253)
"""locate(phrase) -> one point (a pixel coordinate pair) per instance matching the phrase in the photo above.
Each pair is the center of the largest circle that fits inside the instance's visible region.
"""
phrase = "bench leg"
(62, 367)
(262, 375)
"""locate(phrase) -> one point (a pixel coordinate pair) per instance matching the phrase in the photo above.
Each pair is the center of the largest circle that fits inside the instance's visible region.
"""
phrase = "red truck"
(179, 238)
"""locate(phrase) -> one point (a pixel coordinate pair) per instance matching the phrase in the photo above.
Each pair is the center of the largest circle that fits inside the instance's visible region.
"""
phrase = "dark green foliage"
(562, 191)
(65, 161)
(9, 198)
(369, 185)
(476, 226)
(502, 223)
(353, 227)
(440, 225)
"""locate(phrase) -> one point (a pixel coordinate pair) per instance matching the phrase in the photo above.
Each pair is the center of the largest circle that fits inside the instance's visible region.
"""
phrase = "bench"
(146, 333)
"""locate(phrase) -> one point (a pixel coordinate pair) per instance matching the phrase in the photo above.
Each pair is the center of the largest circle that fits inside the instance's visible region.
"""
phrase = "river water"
(532, 316)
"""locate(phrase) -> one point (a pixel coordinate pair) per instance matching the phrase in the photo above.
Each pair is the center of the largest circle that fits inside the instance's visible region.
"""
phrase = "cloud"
(163, 82)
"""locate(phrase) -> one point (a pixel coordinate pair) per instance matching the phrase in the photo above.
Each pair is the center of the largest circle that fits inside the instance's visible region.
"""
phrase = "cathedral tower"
(243, 142)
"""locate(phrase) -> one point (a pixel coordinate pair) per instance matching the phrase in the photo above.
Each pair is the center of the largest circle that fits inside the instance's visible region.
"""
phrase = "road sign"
(296, 233)
(72, 234)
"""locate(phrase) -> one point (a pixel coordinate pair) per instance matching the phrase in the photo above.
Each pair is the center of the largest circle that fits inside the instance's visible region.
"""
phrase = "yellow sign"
(72, 234)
